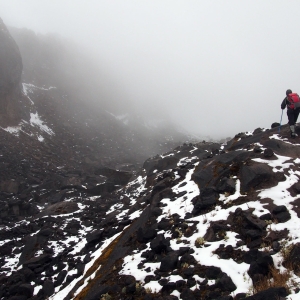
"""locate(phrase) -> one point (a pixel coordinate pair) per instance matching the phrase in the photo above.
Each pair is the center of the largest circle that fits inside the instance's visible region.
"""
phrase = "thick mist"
(215, 68)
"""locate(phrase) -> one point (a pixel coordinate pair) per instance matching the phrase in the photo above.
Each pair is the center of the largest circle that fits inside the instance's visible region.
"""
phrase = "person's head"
(288, 92)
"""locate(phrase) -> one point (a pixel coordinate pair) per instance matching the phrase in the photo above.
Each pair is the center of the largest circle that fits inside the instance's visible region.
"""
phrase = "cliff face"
(10, 77)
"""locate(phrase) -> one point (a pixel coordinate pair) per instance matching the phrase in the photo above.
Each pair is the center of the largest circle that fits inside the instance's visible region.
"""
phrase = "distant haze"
(215, 67)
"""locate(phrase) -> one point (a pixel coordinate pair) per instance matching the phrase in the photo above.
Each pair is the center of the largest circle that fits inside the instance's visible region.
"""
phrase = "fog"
(215, 67)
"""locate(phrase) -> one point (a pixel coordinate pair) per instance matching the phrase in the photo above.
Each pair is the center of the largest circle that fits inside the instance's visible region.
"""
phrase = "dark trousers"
(293, 116)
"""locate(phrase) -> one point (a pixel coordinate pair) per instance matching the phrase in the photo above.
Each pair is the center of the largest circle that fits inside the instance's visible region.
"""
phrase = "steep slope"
(205, 221)
(10, 77)
(50, 137)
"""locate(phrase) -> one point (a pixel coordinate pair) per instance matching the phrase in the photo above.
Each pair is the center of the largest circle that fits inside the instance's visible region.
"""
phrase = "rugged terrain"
(87, 215)
(204, 221)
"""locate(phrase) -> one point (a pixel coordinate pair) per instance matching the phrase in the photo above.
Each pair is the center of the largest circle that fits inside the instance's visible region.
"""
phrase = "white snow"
(35, 120)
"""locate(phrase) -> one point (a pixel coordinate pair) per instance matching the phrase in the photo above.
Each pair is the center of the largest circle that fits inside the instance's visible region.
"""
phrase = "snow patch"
(36, 121)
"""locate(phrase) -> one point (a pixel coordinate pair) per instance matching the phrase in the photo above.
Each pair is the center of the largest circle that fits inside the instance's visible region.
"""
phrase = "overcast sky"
(220, 67)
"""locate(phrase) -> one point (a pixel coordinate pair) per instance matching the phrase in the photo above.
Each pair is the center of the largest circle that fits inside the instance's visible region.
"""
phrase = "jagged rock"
(60, 278)
(37, 261)
(209, 173)
(169, 262)
(255, 222)
(212, 272)
(187, 294)
(161, 186)
(257, 149)
(146, 234)
(226, 185)
(251, 255)
(29, 249)
(95, 236)
(274, 125)
(271, 293)
(281, 214)
(48, 288)
(188, 258)
(106, 187)
(28, 274)
(225, 283)
(168, 288)
(114, 176)
(59, 208)
(260, 267)
(281, 148)
(160, 164)
(26, 290)
(257, 130)
(268, 153)
(253, 176)
(159, 244)
(207, 198)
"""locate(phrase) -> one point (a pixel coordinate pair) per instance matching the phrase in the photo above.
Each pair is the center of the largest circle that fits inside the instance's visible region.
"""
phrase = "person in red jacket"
(292, 111)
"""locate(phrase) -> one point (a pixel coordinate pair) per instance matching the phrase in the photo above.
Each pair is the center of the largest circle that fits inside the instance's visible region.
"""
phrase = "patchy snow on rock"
(40, 138)
(36, 121)
(29, 88)
(15, 130)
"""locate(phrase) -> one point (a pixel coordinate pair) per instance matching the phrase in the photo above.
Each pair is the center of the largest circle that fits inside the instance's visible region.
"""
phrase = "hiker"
(293, 108)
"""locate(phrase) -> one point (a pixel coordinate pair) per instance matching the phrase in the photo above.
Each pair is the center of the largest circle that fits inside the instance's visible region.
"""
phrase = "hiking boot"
(293, 133)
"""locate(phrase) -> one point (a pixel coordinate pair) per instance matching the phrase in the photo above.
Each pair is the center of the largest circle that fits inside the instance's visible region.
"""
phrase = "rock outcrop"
(10, 78)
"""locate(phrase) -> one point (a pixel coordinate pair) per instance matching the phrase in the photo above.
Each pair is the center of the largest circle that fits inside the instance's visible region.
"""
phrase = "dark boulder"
(271, 293)
(281, 214)
(59, 208)
(160, 164)
(37, 261)
(260, 267)
(95, 236)
(225, 283)
(159, 244)
(254, 221)
(60, 278)
(169, 262)
(268, 153)
(48, 288)
(187, 294)
(210, 172)
(226, 185)
(146, 234)
(208, 197)
(253, 176)
(274, 125)
(26, 290)
(114, 176)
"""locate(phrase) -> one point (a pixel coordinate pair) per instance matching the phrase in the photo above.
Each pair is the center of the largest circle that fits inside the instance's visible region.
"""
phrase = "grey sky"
(220, 67)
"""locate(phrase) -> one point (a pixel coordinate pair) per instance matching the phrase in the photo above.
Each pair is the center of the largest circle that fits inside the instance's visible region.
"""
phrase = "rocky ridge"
(204, 221)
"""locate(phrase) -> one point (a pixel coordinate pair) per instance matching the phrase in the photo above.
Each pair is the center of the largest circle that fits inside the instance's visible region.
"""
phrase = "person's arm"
(283, 104)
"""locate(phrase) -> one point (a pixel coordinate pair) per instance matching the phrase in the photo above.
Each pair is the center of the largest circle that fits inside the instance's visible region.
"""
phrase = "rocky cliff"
(10, 78)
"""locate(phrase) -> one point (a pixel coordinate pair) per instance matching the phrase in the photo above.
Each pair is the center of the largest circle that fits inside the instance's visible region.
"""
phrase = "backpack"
(294, 100)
